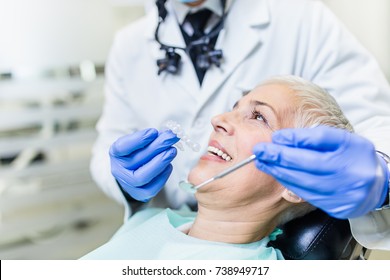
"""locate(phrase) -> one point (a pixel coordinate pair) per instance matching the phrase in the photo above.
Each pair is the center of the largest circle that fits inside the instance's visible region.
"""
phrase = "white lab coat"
(261, 38)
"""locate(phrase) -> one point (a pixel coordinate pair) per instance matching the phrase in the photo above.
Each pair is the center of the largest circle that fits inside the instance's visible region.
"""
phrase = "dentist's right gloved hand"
(141, 162)
(335, 170)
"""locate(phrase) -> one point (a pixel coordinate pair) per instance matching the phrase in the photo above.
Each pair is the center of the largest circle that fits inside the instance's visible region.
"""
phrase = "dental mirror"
(187, 186)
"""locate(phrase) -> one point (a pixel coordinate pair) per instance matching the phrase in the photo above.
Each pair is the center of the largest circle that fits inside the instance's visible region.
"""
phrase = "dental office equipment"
(187, 186)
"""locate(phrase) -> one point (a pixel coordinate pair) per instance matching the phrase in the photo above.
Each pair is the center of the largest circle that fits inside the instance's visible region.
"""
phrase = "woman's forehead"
(279, 96)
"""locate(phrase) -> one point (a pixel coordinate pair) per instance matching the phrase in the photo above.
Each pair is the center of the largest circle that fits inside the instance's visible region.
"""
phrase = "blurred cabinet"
(49, 206)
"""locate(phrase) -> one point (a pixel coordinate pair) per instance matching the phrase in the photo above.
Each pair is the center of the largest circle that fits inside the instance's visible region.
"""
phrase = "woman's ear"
(291, 197)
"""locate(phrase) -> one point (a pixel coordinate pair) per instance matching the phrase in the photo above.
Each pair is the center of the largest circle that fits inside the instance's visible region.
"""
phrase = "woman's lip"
(211, 157)
(216, 144)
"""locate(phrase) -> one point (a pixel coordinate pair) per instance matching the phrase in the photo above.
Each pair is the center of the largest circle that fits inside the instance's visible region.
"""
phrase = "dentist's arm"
(141, 162)
(335, 170)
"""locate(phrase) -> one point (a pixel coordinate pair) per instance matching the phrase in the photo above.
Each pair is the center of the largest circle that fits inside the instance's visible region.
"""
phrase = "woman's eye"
(258, 116)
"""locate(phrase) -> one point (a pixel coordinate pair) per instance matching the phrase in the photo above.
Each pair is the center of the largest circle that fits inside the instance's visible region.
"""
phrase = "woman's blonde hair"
(315, 107)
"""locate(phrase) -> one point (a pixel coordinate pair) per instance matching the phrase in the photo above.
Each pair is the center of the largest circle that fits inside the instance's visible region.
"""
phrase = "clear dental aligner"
(180, 133)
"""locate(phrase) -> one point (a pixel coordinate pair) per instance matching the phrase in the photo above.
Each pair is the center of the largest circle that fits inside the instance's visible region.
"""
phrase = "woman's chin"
(195, 180)
(197, 176)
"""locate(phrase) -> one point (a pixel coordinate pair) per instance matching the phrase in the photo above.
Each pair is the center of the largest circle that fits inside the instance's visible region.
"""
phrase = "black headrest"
(315, 236)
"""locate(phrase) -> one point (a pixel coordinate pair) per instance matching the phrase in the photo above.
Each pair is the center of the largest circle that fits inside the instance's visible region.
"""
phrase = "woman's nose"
(223, 123)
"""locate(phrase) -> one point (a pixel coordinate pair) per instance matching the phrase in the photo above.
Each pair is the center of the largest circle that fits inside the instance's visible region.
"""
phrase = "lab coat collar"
(244, 31)
(170, 34)
(181, 9)
(246, 19)
(176, 13)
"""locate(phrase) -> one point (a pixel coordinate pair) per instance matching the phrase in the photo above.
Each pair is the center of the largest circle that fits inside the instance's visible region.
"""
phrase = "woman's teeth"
(218, 152)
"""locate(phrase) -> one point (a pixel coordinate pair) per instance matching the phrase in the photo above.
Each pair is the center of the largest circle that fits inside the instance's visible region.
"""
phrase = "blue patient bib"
(152, 234)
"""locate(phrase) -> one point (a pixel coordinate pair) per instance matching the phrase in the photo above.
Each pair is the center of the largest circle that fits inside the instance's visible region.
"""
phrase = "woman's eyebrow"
(256, 103)
(261, 103)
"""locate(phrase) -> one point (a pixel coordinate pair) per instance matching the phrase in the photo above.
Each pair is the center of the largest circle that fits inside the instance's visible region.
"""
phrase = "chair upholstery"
(315, 236)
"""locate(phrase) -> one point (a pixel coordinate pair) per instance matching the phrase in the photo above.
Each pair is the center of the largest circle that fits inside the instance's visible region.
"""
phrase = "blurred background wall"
(52, 56)
(41, 34)
(369, 21)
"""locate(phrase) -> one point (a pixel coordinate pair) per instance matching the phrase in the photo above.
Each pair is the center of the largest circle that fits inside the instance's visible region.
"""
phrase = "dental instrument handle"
(235, 167)
(227, 171)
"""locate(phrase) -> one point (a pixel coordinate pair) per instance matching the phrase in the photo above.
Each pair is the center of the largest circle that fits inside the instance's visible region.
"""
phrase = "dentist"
(189, 61)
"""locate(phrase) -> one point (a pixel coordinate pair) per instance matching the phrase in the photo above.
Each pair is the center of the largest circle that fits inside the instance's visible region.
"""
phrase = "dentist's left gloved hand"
(336, 171)
(141, 162)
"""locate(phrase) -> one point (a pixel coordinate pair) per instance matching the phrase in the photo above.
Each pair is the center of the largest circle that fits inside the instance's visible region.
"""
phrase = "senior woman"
(238, 214)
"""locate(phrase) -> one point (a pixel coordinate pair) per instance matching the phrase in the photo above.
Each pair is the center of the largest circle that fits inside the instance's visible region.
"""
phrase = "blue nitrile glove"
(335, 170)
(141, 162)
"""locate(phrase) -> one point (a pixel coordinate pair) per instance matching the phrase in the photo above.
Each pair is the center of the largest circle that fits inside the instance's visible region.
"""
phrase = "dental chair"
(317, 236)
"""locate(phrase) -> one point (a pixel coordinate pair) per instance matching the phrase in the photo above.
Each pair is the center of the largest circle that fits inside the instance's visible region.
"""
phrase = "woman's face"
(253, 119)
